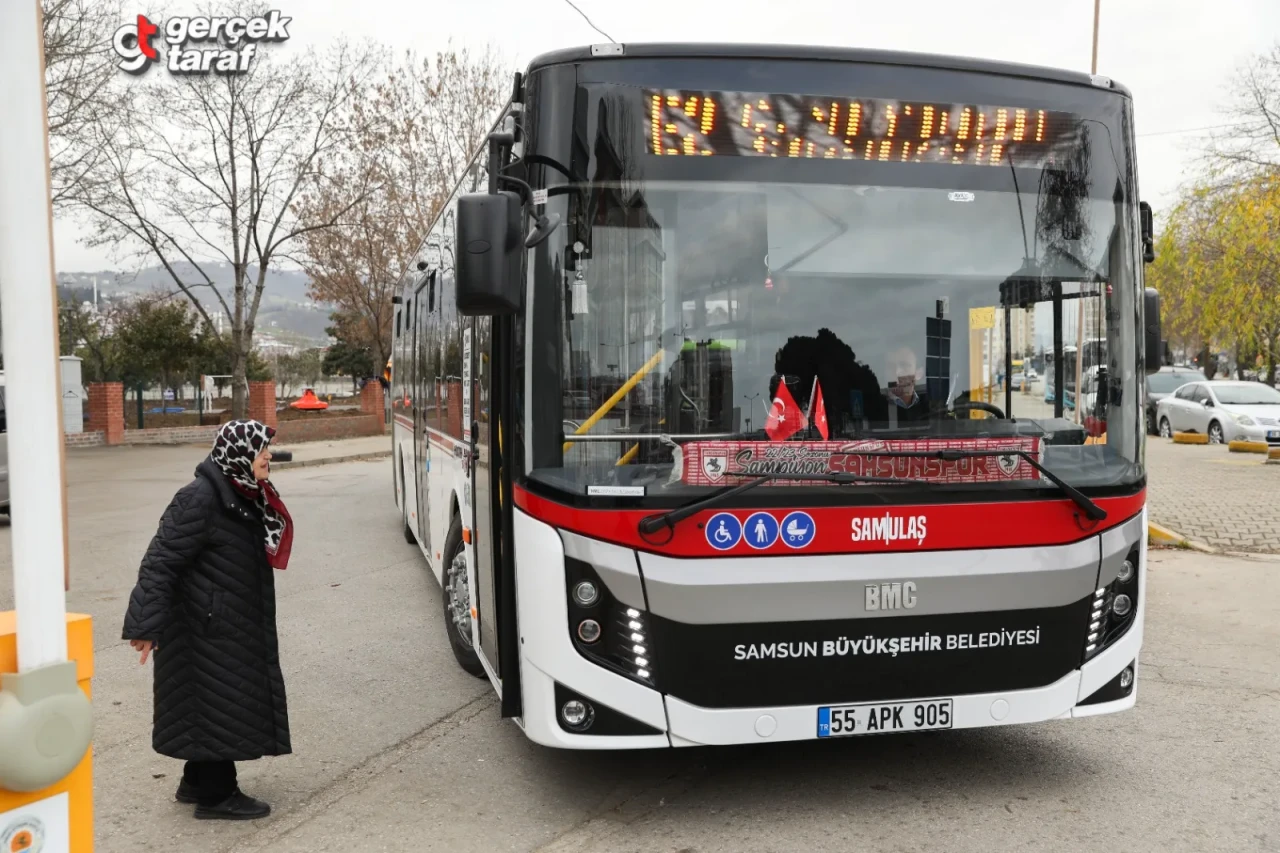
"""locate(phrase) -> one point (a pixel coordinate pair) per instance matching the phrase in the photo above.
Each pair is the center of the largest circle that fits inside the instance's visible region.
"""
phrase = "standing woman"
(205, 603)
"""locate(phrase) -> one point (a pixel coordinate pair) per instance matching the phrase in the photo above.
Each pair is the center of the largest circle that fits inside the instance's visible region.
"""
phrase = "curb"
(1190, 438)
(1160, 535)
(330, 460)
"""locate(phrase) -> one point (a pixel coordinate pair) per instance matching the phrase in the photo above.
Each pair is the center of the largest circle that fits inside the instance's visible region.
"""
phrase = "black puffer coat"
(206, 596)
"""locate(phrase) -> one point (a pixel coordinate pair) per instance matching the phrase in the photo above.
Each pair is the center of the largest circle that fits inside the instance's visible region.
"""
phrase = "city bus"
(680, 420)
(1095, 357)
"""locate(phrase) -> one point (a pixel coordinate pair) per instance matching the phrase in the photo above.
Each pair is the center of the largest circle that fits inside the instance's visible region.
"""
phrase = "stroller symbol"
(799, 529)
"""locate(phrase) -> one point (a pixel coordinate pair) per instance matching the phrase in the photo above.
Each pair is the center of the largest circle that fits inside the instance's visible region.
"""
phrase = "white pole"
(31, 343)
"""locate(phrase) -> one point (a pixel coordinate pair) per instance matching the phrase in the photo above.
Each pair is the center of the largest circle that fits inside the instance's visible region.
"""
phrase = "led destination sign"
(746, 124)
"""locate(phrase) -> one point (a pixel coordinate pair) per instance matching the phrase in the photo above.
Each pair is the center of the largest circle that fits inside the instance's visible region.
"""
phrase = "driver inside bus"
(906, 402)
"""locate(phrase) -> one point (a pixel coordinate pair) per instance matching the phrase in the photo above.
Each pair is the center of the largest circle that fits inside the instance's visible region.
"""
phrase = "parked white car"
(1224, 410)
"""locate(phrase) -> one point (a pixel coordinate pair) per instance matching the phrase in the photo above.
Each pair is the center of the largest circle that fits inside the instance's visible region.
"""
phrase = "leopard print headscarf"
(238, 443)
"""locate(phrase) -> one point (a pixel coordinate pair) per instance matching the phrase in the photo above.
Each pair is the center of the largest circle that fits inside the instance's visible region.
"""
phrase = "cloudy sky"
(1177, 56)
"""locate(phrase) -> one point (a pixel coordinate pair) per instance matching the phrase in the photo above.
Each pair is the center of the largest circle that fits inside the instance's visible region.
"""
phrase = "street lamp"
(751, 406)
(1097, 6)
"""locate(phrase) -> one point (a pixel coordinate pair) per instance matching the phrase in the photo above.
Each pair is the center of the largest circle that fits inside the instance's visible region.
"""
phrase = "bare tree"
(82, 83)
(1251, 142)
(211, 175)
(415, 131)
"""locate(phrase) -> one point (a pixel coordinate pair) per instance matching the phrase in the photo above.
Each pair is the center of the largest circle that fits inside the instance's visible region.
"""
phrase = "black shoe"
(186, 793)
(238, 806)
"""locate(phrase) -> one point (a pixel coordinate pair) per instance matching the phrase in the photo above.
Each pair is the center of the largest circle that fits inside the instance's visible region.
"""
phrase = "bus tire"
(404, 508)
(453, 586)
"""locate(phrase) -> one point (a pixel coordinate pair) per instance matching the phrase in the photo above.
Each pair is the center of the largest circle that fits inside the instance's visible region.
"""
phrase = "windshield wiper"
(1091, 509)
(653, 523)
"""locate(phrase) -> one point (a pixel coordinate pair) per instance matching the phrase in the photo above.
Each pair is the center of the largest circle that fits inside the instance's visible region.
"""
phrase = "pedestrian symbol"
(723, 531)
(761, 530)
(798, 529)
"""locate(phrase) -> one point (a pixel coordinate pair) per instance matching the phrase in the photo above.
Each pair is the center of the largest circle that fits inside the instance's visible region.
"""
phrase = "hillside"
(285, 304)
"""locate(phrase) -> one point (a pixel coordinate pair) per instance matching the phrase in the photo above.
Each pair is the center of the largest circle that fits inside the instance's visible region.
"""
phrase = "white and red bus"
(687, 417)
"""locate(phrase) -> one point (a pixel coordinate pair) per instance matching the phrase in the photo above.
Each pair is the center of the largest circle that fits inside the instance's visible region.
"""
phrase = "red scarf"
(267, 496)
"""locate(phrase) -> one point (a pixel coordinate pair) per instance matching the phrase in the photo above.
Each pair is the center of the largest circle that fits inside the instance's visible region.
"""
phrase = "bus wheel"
(456, 596)
(404, 511)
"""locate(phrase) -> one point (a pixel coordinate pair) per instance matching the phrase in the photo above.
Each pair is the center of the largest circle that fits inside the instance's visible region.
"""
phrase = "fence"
(107, 424)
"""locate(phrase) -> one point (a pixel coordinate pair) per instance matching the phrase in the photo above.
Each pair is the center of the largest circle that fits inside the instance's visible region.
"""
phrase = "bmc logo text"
(891, 596)
(235, 43)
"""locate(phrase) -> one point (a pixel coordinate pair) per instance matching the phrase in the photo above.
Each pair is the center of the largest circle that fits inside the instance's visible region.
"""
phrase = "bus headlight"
(589, 630)
(577, 714)
(586, 594)
(1112, 609)
(606, 631)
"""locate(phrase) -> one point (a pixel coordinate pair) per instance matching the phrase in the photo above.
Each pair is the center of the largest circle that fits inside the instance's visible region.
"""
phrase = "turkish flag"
(818, 410)
(785, 418)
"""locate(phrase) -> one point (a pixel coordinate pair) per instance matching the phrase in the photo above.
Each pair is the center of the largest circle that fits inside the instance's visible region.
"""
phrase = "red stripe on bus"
(931, 527)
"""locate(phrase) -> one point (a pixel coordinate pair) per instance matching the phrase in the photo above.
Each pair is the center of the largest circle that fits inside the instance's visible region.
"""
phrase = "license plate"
(1273, 434)
(883, 718)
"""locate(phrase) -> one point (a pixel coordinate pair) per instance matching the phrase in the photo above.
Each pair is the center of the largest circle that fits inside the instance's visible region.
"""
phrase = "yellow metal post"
(617, 397)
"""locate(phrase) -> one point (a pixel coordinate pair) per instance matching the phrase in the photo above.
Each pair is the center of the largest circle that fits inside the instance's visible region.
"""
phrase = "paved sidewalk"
(1226, 500)
(305, 453)
(326, 452)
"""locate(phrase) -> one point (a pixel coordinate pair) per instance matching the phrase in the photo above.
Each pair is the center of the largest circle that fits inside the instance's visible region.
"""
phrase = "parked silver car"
(1224, 410)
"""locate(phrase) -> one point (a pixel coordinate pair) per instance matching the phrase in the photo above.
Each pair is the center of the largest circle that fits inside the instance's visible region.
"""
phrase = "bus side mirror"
(1153, 345)
(1148, 233)
(489, 254)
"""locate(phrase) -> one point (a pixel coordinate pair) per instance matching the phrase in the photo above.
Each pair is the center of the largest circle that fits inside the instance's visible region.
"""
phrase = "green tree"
(159, 341)
(303, 369)
(1218, 270)
(212, 356)
(349, 354)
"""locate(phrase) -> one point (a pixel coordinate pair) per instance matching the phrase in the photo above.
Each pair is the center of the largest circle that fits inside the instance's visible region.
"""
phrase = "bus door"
(480, 436)
(425, 399)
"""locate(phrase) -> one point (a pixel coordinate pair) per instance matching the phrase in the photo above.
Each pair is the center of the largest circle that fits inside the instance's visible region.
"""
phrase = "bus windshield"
(713, 294)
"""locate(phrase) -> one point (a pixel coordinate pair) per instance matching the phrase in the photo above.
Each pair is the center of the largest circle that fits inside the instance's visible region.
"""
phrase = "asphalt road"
(397, 750)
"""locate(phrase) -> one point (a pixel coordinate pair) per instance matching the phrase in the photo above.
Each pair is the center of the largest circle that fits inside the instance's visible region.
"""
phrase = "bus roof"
(815, 52)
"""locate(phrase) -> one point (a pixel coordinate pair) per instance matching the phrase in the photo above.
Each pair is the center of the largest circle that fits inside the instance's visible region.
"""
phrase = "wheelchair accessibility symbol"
(723, 531)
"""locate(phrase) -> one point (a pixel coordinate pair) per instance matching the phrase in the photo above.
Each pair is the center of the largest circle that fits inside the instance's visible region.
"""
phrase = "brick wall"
(172, 435)
(454, 425)
(106, 421)
(85, 439)
(106, 411)
(371, 399)
(262, 402)
(328, 429)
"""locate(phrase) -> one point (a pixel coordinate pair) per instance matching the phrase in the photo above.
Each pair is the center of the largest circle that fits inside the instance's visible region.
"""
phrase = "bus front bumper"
(1075, 695)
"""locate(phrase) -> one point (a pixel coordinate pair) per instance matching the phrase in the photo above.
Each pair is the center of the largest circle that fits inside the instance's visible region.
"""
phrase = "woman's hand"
(144, 646)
